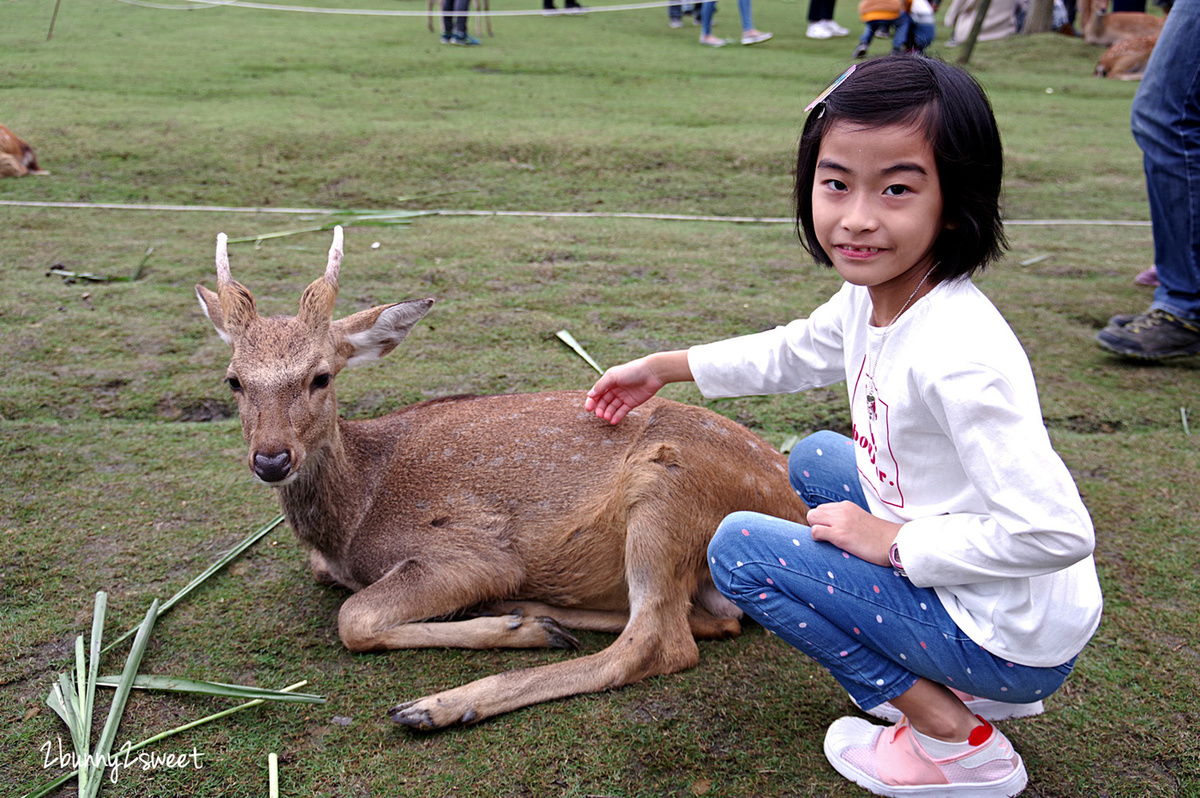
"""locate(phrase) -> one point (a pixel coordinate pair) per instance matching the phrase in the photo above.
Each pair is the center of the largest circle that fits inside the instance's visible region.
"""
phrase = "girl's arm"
(624, 387)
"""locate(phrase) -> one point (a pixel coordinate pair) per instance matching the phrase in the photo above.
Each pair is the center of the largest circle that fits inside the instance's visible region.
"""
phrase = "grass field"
(124, 461)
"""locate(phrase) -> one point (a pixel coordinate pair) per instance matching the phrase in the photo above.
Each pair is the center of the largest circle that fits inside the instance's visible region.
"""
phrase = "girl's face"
(877, 208)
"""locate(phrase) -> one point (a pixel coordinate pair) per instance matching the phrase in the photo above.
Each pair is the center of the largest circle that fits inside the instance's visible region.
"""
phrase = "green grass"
(125, 467)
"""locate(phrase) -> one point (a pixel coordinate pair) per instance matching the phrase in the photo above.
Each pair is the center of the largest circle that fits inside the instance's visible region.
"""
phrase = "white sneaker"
(816, 30)
(890, 761)
(834, 28)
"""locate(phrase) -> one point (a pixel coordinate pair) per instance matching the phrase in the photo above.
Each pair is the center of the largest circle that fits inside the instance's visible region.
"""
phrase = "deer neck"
(321, 503)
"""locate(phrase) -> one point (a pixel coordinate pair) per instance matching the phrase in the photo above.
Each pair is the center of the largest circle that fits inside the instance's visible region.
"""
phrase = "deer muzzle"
(273, 468)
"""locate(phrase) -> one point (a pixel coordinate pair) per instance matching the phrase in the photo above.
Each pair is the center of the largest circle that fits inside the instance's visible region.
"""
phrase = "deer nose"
(272, 467)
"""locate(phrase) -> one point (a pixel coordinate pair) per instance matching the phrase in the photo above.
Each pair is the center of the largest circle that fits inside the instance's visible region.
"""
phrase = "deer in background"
(1127, 59)
(1104, 29)
(493, 521)
(17, 158)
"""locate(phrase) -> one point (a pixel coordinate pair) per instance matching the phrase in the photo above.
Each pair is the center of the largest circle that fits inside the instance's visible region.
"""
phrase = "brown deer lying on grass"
(16, 157)
(1105, 29)
(1127, 59)
(523, 513)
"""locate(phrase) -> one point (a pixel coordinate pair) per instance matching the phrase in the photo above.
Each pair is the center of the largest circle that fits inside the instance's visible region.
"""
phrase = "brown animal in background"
(494, 521)
(1127, 59)
(1105, 29)
(16, 157)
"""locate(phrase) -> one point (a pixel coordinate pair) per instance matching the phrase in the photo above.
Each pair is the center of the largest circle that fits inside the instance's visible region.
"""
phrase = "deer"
(17, 158)
(1127, 59)
(490, 521)
(1104, 29)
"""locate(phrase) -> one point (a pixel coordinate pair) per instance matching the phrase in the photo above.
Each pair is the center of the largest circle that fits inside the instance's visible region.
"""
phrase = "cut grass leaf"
(180, 685)
(343, 218)
(225, 559)
(570, 341)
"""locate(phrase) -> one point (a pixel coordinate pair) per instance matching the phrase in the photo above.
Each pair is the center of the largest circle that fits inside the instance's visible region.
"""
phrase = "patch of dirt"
(172, 408)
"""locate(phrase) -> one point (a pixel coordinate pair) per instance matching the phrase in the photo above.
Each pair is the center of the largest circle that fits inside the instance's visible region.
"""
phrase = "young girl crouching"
(946, 578)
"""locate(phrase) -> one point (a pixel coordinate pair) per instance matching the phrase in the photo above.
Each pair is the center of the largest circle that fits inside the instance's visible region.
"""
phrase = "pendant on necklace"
(871, 400)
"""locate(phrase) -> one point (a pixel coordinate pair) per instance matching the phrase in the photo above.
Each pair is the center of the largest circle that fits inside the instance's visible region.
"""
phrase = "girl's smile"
(877, 209)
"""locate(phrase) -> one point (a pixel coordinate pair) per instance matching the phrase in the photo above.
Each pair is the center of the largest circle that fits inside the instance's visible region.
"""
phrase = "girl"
(946, 579)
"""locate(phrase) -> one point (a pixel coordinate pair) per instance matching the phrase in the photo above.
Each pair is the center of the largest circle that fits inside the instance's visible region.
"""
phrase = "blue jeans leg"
(871, 628)
(1166, 125)
(744, 13)
(706, 16)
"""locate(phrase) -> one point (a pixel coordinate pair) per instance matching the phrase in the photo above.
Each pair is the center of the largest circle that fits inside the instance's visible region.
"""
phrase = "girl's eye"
(835, 185)
(896, 191)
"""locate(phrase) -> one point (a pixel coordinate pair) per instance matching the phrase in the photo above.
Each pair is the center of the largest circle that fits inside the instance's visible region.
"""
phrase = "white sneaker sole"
(835, 742)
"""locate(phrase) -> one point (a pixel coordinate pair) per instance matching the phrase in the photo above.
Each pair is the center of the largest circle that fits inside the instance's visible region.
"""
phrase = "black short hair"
(953, 111)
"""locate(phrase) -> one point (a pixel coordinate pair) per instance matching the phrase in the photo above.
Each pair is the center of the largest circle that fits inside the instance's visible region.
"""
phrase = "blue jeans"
(744, 13)
(706, 14)
(1166, 125)
(872, 28)
(871, 628)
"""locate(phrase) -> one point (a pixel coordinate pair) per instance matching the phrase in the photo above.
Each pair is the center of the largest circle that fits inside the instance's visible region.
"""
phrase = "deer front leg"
(655, 645)
(393, 613)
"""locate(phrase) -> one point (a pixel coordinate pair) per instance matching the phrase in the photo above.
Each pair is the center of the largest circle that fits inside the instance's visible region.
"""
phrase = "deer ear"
(210, 303)
(370, 334)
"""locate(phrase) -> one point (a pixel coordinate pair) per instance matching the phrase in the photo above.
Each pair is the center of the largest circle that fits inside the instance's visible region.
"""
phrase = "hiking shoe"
(1153, 335)
(984, 708)
(464, 40)
(888, 760)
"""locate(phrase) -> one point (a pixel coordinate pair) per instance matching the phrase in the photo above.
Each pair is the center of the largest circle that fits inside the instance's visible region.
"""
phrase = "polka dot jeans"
(870, 627)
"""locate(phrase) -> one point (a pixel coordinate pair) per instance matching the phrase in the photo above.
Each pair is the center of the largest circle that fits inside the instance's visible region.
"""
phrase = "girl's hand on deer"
(622, 388)
(852, 529)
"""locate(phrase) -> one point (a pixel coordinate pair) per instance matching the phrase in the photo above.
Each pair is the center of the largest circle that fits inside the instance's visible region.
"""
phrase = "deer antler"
(335, 257)
(223, 277)
(316, 305)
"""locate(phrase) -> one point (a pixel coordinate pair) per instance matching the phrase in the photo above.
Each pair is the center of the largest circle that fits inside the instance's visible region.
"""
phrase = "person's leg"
(745, 14)
(707, 10)
(1166, 125)
(460, 22)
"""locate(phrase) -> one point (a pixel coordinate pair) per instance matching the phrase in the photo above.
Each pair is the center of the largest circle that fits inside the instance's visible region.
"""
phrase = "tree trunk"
(1040, 18)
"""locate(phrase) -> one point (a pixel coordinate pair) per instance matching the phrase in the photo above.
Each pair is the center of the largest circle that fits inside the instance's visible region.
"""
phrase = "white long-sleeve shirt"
(950, 443)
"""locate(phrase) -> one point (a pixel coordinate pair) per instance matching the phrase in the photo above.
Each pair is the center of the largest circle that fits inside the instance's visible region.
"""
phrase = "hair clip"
(825, 94)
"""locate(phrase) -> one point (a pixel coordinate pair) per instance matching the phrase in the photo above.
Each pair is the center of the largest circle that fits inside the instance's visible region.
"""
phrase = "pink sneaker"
(888, 760)
(985, 708)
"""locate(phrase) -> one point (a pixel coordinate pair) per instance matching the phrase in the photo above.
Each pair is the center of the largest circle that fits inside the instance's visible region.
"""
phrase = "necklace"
(872, 392)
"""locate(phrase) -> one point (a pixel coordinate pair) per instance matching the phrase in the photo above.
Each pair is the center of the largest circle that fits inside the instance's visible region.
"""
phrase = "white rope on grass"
(675, 217)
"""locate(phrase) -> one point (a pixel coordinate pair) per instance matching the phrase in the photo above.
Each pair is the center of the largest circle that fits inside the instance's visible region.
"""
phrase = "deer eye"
(234, 383)
(321, 381)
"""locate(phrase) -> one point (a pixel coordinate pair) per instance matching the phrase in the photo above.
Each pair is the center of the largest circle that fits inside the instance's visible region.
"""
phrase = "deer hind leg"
(611, 621)
(657, 640)
(394, 613)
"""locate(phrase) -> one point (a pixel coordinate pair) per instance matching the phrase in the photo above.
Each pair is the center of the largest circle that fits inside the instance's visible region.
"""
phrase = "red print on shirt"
(874, 439)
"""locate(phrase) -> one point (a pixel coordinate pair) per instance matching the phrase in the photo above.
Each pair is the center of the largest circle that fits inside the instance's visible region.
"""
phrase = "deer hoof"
(414, 716)
(556, 635)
